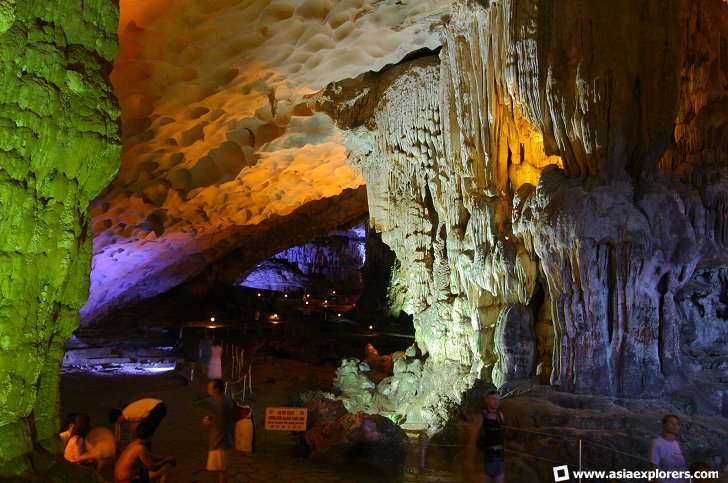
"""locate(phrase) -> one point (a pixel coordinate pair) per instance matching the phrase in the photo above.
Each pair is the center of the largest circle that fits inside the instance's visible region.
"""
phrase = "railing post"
(423, 442)
(580, 460)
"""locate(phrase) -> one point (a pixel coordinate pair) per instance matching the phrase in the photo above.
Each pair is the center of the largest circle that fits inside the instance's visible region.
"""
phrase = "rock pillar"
(59, 147)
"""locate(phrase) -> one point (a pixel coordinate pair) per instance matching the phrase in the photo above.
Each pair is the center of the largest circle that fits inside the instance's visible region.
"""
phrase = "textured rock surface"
(567, 185)
(319, 266)
(219, 142)
(59, 147)
(556, 169)
(355, 438)
(544, 428)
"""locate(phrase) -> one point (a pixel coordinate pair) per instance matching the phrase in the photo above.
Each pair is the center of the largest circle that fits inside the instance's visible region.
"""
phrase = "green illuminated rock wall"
(59, 147)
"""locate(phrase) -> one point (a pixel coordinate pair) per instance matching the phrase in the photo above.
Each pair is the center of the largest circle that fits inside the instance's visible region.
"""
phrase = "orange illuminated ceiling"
(217, 130)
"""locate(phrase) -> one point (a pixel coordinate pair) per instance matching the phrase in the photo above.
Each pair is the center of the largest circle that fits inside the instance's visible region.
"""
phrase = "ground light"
(158, 369)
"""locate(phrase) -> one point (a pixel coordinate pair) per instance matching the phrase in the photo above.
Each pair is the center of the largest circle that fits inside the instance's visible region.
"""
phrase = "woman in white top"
(215, 369)
(75, 451)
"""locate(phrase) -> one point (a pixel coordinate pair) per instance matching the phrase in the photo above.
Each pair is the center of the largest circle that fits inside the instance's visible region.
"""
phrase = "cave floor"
(283, 364)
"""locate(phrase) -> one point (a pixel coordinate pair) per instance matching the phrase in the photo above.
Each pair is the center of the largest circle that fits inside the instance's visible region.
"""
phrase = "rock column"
(59, 147)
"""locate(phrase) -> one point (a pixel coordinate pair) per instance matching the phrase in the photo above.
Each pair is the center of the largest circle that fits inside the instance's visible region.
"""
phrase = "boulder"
(358, 438)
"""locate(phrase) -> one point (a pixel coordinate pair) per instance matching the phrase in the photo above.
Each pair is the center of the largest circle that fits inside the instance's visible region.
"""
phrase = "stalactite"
(545, 172)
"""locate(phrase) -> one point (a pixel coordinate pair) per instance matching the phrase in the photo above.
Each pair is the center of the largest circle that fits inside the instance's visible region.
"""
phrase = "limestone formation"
(551, 177)
(220, 144)
(566, 186)
(59, 147)
(355, 438)
(321, 265)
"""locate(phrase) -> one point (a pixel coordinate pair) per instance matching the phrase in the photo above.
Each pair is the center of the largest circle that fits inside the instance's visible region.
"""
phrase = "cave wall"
(331, 262)
(549, 183)
(59, 147)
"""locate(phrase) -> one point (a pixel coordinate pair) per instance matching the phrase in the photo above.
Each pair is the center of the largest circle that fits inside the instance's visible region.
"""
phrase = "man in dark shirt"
(486, 441)
(222, 429)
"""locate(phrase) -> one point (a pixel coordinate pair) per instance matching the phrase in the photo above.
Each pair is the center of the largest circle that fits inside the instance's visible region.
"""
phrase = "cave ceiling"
(225, 161)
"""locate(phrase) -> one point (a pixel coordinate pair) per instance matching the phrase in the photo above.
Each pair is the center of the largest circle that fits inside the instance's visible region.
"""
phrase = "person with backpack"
(486, 450)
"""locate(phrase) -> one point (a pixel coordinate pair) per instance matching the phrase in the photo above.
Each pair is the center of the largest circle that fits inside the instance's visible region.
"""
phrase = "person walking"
(485, 447)
(215, 368)
(222, 429)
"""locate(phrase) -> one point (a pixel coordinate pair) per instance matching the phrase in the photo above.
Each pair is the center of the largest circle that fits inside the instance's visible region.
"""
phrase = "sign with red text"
(286, 419)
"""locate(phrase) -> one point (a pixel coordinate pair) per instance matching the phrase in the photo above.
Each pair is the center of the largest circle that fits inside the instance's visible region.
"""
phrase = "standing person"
(485, 448)
(665, 453)
(215, 371)
(222, 429)
(150, 410)
(204, 353)
(136, 463)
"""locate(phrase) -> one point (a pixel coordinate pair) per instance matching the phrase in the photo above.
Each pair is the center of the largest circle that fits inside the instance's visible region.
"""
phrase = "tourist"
(68, 423)
(150, 410)
(222, 426)
(665, 453)
(75, 450)
(136, 463)
(485, 447)
(215, 370)
(204, 352)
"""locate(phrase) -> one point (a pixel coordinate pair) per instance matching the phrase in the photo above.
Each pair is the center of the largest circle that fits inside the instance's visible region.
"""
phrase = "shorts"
(217, 459)
(495, 468)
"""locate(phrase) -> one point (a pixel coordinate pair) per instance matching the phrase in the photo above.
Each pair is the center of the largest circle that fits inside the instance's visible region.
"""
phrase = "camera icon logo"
(561, 473)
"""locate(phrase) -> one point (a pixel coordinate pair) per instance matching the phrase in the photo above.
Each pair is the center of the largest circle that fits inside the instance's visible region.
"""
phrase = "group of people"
(486, 453)
(139, 422)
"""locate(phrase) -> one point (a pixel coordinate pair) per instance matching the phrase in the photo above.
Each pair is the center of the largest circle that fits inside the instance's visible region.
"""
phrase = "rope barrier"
(551, 435)
(543, 434)
(537, 457)
(618, 451)
(236, 359)
(579, 439)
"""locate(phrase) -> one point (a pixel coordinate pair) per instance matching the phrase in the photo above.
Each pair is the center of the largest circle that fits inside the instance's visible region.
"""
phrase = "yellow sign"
(286, 419)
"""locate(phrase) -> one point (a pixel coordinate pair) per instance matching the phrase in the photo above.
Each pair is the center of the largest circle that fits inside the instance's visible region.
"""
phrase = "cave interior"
(536, 192)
